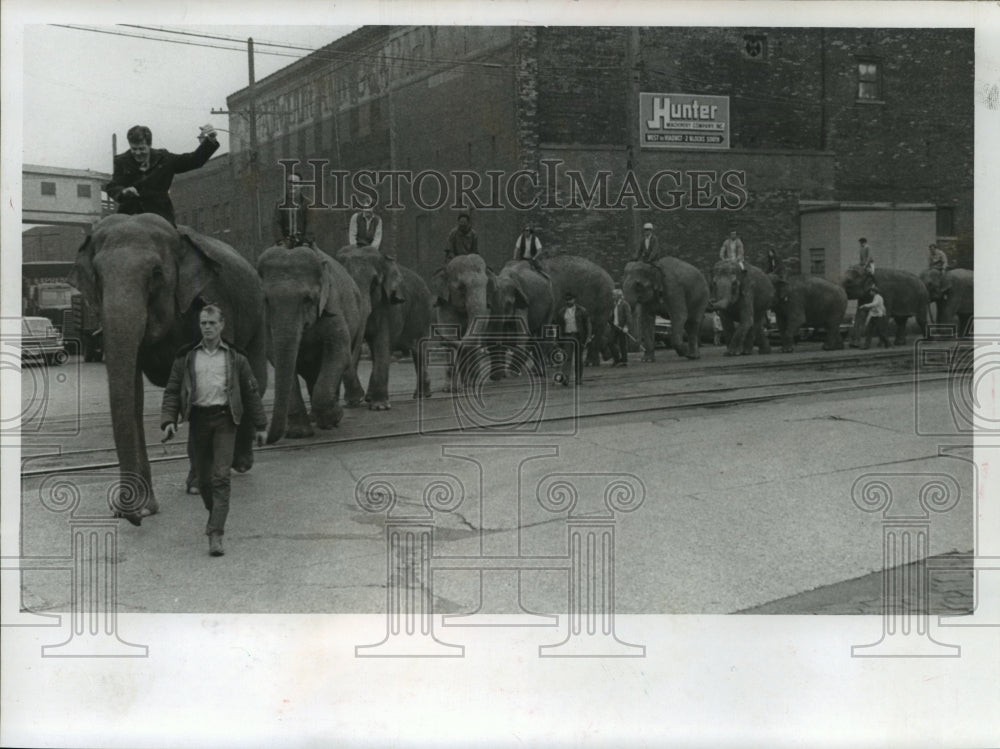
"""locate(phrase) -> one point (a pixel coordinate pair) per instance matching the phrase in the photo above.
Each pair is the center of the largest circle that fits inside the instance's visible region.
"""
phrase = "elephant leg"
(857, 329)
(354, 392)
(900, 329)
(423, 380)
(678, 326)
(693, 328)
(738, 341)
(647, 329)
(760, 335)
(298, 419)
(378, 382)
(833, 341)
(792, 325)
(151, 506)
(337, 358)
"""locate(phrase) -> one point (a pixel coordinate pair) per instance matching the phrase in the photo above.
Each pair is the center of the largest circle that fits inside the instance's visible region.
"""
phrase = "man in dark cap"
(574, 324)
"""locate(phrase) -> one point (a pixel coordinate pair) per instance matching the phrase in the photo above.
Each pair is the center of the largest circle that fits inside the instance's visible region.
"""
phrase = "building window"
(754, 47)
(869, 80)
(946, 222)
(83, 191)
(48, 188)
(817, 261)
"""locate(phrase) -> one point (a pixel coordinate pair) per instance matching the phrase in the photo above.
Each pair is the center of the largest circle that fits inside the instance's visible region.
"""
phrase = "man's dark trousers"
(574, 354)
(214, 441)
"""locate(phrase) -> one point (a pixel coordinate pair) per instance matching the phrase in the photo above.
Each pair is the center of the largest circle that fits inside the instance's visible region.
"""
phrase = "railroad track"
(609, 393)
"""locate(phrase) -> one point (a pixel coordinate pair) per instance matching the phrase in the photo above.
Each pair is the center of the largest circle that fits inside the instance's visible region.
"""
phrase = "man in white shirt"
(732, 249)
(648, 250)
(876, 319)
(574, 323)
(365, 229)
(212, 385)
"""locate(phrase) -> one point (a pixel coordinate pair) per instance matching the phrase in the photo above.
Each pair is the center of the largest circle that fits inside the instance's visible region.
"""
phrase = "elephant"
(316, 319)
(952, 292)
(524, 299)
(674, 289)
(904, 294)
(465, 291)
(808, 300)
(149, 280)
(593, 289)
(742, 299)
(400, 317)
(521, 291)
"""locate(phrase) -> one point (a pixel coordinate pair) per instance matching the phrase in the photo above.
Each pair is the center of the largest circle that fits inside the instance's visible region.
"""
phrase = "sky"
(69, 116)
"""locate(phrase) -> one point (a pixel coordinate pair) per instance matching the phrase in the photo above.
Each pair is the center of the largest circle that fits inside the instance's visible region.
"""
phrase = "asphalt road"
(746, 508)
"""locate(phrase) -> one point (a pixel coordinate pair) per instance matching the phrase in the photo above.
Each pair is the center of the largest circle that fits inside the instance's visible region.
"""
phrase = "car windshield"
(36, 327)
(55, 297)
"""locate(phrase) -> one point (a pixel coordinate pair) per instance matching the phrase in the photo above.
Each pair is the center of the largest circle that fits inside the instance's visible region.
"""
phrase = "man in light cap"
(732, 249)
(290, 217)
(365, 229)
(647, 251)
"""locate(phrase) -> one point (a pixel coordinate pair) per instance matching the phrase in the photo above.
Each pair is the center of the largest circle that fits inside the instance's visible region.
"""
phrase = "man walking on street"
(574, 323)
(212, 386)
(621, 321)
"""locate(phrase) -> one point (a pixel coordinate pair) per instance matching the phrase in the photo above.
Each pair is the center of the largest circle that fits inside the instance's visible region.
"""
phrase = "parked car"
(661, 331)
(40, 341)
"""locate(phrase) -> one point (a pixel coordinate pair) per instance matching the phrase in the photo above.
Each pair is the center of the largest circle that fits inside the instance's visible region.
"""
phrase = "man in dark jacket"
(143, 175)
(462, 240)
(621, 323)
(574, 323)
(212, 386)
(291, 217)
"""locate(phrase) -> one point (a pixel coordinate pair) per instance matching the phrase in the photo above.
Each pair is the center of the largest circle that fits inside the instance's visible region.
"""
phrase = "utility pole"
(254, 170)
(251, 114)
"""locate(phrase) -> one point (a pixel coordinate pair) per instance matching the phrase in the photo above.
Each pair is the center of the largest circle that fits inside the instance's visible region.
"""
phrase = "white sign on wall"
(688, 121)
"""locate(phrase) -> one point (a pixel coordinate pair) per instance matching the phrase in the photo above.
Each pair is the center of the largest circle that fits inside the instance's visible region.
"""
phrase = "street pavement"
(744, 506)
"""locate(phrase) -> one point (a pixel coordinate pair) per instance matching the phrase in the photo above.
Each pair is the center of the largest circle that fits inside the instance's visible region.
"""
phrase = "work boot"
(215, 544)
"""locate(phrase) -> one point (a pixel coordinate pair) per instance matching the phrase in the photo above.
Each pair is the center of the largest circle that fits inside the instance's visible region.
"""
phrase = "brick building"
(812, 117)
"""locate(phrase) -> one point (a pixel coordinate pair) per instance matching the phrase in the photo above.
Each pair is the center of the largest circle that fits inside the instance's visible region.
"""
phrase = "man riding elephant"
(674, 289)
(808, 300)
(316, 320)
(742, 298)
(149, 282)
(142, 175)
(953, 294)
(904, 294)
(400, 317)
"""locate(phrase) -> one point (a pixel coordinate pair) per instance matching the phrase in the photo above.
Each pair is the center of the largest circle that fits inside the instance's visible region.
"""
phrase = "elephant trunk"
(124, 329)
(286, 340)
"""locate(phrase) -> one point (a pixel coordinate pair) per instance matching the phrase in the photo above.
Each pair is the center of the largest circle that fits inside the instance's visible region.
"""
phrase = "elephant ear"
(780, 288)
(83, 276)
(439, 287)
(491, 285)
(328, 293)
(195, 269)
(392, 280)
(520, 296)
